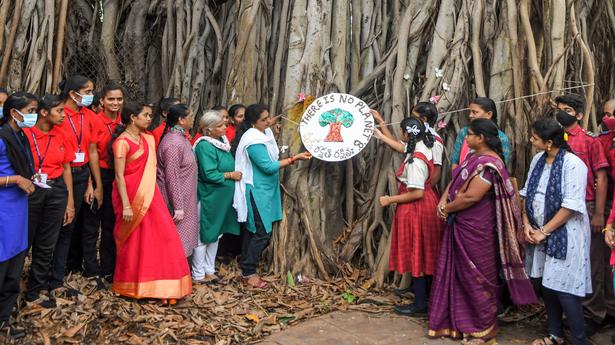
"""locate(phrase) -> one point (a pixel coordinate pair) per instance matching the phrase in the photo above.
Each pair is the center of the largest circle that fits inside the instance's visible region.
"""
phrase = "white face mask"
(86, 100)
(29, 120)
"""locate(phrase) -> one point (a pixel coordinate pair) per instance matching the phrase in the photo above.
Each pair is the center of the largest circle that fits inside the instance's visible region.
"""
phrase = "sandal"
(169, 302)
(254, 282)
(550, 340)
(211, 279)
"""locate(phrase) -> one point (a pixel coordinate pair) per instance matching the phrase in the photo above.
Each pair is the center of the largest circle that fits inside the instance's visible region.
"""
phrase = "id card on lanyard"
(41, 158)
(79, 156)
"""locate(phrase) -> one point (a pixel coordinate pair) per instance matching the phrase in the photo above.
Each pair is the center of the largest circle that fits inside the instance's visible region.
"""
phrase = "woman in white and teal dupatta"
(257, 196)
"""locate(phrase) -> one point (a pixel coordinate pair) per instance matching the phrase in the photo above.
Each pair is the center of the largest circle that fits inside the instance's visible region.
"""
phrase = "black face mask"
(565, 119)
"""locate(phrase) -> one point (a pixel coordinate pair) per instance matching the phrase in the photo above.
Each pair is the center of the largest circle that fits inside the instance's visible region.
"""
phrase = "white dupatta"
(242, 163)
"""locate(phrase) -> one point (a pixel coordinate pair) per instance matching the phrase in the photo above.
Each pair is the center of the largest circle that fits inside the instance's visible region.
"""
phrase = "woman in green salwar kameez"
(216, 185)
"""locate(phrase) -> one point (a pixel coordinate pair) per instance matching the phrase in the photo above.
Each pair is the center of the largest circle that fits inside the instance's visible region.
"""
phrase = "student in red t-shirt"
(105, 124)
(78, 128)
(236, 115)
(160, 118)
(585, 146)
(48, 208)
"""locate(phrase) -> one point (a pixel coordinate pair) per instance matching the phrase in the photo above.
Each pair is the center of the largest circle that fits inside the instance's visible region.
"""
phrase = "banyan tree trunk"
(390, 53)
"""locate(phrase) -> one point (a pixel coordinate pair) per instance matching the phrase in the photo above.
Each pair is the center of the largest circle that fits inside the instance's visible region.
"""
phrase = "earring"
(548, 148)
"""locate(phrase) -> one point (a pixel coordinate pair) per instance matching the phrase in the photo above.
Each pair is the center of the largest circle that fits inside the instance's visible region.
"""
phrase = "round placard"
(336, 127)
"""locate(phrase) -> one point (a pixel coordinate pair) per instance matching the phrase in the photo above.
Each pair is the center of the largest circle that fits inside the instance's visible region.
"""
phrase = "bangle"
(127, 207)
(6, 183)
(542, 230)
(292, 160)
(608, 228)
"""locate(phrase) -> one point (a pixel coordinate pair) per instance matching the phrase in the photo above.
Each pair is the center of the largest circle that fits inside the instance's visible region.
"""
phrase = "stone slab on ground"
(359, 328)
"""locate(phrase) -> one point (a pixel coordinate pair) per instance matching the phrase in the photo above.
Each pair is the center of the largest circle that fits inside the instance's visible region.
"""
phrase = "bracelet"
(292, 160)
(542, 230)
(6, 183)
(128, 207)
(608, 228)
(69, 208)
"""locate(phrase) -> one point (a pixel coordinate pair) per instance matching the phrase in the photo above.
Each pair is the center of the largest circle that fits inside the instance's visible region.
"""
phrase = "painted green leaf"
(327, 118)
(345, 118)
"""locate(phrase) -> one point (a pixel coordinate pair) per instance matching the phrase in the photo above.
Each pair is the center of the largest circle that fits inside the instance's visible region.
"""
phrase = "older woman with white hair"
(216, 186)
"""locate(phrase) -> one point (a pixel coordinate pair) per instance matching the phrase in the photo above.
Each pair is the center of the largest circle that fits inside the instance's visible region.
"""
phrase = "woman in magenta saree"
(150, 257)
(479, 245)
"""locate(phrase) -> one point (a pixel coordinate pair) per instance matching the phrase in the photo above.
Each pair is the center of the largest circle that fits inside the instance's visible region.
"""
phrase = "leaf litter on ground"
(221, 314)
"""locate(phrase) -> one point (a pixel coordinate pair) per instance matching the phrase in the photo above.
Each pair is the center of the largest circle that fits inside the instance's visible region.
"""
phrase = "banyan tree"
(390, 53)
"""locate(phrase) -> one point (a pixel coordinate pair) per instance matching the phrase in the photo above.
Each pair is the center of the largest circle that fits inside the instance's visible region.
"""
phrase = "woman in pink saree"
(150, 257)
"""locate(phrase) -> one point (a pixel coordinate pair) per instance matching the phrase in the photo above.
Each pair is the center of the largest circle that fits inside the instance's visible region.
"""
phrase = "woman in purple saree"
(479, 245)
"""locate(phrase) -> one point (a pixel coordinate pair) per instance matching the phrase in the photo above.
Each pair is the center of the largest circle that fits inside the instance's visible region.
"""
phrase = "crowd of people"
(122, 193)
(483, 245)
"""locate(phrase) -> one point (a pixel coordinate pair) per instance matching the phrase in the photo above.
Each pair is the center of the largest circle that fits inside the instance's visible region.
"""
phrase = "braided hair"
(416, 131)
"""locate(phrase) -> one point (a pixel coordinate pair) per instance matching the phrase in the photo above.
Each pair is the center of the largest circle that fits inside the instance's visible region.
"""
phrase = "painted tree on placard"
(335, 119)
(390, 53)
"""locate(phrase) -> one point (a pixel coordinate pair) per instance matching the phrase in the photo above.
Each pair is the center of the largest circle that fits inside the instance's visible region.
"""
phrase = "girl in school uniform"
(417, 230)
(51, 205)
(74, 244)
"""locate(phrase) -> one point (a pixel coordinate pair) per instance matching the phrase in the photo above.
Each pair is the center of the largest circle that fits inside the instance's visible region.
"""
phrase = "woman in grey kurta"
(257, 195)
(216, 185)
(177, 175)
(557, 228)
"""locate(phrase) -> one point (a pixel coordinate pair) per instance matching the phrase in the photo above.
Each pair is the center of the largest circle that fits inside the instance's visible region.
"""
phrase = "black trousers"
(60, 253)
(558, 303)
(10, 275)
(83, 254)
(253, 244)
(46, 208)
(106, 250)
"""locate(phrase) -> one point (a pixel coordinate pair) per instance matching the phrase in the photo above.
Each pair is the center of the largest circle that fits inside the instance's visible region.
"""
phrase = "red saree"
(150, 257)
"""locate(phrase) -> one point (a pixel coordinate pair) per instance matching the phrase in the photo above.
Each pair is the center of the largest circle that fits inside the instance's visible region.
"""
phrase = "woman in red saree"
(150, 257)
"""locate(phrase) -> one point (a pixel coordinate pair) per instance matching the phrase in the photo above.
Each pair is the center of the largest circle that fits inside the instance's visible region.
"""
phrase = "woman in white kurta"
(559, 237)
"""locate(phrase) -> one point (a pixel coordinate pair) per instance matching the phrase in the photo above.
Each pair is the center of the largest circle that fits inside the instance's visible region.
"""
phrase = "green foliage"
(349, 297)
(290, 280)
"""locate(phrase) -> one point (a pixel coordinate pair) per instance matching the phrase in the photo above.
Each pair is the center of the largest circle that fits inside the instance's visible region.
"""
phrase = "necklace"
(134, 137)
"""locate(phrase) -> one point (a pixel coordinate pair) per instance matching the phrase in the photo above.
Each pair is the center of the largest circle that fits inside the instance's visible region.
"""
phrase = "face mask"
(565, 119)
(86, 100)
(609, 122)
(1, 113)
(29, 120)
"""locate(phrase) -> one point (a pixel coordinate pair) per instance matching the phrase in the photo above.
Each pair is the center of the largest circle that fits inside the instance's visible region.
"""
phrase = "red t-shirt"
(230, 133)
(591, 153)
(196, 137)
(79, 131)
(51, 149)
(104, 128)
